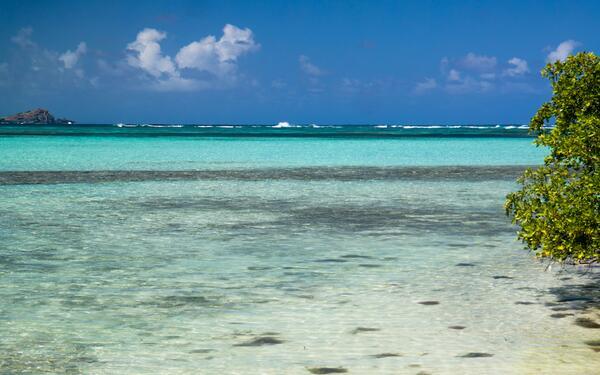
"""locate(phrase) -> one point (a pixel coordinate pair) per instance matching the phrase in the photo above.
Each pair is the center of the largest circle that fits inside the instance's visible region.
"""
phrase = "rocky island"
(36, 116)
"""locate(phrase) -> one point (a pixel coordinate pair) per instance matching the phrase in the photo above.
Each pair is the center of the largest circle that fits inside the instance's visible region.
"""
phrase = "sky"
(305, 62)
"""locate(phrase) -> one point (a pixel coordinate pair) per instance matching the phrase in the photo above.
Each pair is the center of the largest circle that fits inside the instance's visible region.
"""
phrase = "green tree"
(558, 206)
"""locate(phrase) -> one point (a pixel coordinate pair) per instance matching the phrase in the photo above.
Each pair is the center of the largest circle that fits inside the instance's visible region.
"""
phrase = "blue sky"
(303, 62)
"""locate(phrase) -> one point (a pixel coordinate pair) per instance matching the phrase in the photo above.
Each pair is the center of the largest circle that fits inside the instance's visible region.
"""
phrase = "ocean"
(220, 249)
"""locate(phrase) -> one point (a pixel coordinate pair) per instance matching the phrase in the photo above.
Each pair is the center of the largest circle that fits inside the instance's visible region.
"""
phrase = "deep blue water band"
(341, 131)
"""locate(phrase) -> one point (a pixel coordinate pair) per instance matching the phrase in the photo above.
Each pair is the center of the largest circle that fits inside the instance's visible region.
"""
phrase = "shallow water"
(112, 148)
(277, 270)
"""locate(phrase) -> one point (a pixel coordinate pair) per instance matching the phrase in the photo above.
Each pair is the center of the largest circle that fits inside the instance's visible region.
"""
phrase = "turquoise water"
(187, 254)
(88, 147)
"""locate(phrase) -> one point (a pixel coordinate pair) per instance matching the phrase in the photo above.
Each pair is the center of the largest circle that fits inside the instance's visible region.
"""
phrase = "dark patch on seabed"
(331, 260)
(355, 256)
(178, 302)
(262, 341)
(201, 351)
(587, 323)
(327, 370)
(364, 329)
(368, 265)
(560, 315)
(69, 359)
(594, 345)
(375, 218)
(476, 355)
(582, 300)
(458, 173)
(386, 355)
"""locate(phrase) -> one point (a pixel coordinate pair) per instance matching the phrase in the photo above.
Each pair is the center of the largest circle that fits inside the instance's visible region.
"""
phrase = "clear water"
(182, 276)
(92, 153)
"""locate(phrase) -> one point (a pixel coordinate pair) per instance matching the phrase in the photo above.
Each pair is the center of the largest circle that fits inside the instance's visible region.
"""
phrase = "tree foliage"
(558, 206)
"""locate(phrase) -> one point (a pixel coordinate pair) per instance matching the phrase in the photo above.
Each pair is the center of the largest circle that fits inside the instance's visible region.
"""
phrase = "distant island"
(35, 116)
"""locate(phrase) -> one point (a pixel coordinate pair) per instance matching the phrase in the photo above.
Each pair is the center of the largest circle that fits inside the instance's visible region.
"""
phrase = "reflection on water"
(261, 274)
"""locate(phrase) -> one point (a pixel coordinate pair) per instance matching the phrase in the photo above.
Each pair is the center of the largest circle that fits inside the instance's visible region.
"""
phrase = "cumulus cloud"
(488, 76)
(214, 56)
(70, 58)
(235, 42)
(468, 74)
(23, 38)
(313, 74)
(201, 55)
(518, 67)
(148, 56)
(562, 51)
(468, 85)
(308, 67)
(478, 62)
(34, 68)
(453, 75)
(426, 85)
(473, 73)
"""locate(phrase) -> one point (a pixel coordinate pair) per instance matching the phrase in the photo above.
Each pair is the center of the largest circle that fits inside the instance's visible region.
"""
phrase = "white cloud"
(313, 74)
(33, 57)
(147, 54)
(23, 38)
(426, 85)
(278, 84)
(175, 83)
(469, 74)
(488, 76)
(562, 51)
(218, 58)
(473, 73)
(308, 67)
(70, 58)
(214, 56)
(370, 87)
(42, 70)
(478, 62)
(235, 42)
(444, 63)
(468, 85)
(453, 75)
(351, 85)
(201, 55)
(518, 68)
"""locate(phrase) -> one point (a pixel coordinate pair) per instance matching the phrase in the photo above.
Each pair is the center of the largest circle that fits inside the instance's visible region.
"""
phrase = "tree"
(558, 206)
